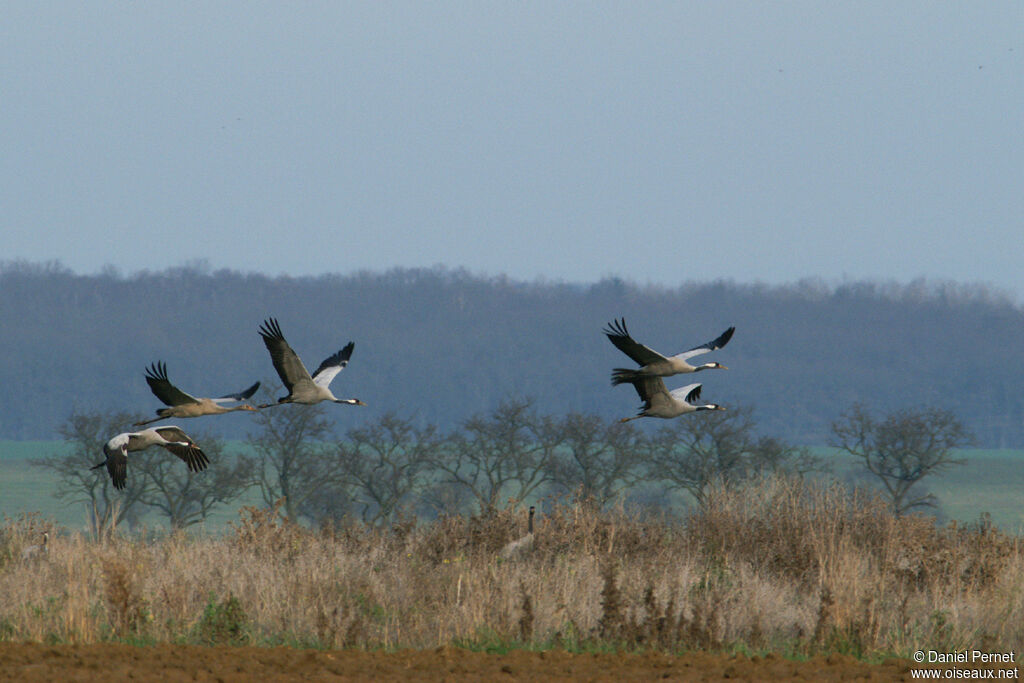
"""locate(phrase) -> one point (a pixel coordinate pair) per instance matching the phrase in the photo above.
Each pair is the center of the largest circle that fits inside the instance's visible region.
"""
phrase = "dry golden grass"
(780, 566)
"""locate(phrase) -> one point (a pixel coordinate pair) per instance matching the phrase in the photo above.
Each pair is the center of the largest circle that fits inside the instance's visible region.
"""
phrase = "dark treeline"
(443, 345)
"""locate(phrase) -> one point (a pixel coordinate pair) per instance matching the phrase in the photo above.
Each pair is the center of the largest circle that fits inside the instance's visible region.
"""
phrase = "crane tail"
(624, 376)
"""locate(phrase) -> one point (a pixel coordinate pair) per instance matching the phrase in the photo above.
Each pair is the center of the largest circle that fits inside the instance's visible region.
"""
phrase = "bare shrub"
(223, 623)
(612, 622)
(127, 608)
(526, 620)
(267, 530)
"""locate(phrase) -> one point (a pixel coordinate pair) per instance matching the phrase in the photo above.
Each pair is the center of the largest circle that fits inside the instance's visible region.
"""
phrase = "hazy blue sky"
(659, 142)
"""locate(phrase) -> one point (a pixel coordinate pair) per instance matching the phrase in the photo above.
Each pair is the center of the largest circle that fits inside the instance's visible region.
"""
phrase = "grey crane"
(185, 405)
(660, 402)
(654, 364)
(170, 437)
(303, 388)
(521, 546)
(35, 552)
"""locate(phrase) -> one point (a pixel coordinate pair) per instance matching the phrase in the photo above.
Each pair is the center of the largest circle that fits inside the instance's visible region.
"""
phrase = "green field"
(992, 481)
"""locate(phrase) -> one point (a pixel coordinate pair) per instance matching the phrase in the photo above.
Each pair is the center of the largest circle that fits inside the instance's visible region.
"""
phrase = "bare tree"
(327, 504)
(770, 455)
(85, 434)
(598, 458)
(706, 448)
(506, 453)
(442, 496)
(720, 448)
(295, 457)
(187, 498)
(902, 449)
(384, 463)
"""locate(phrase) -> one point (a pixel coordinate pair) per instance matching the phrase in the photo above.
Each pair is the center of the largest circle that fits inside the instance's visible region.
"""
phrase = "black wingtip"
(157, 371)
(249, 392)
(724, 338)
(198, 460)
(616, 328)
(270, 329)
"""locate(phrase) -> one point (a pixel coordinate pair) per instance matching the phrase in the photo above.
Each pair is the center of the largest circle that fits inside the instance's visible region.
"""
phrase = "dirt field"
(68, 663)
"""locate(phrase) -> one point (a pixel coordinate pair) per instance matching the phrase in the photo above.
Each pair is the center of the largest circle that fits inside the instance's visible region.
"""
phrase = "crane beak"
(722, 367)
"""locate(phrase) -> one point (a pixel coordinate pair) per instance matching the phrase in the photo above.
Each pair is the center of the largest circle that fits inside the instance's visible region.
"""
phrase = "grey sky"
(659, 142)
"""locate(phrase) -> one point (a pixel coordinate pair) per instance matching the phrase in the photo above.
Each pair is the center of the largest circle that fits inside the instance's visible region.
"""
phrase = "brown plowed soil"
(66, 663)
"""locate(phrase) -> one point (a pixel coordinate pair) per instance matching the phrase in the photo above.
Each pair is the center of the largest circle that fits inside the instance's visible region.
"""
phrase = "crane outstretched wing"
(240, 396)
(648, 386)
(712, 345)
(287, 363)
(619, 335)
(184, 447)
(689, 393)
(333, 365)
(156, 378)
(117, 466)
